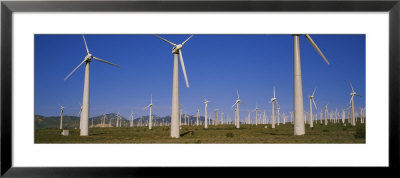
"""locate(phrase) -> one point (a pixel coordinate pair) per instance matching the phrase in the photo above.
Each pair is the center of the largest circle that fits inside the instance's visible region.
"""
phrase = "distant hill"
(70, 122)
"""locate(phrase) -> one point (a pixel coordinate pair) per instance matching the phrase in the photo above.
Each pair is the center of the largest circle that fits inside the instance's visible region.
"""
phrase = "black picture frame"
(8, 7)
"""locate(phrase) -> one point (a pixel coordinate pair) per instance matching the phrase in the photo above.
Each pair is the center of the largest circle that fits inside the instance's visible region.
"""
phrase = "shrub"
(360, 131)
(229, 134)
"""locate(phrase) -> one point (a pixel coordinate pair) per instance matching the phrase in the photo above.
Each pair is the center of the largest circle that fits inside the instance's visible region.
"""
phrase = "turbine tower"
(150, 116)
(237, 110)
(273, 100)
(104, 119)
(131, 123)
(326, 113)
(176, 50)
(61, 116)
(278, 113)
(343, 117)
(84, 121)
(197, 117)
(216, 117)
(312, 101)
(299, 128)
(353, 119)
(256, 110)
(205, 113)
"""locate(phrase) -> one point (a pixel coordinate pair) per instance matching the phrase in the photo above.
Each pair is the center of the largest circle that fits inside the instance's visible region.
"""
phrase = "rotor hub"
(175, 49)
(89, 57)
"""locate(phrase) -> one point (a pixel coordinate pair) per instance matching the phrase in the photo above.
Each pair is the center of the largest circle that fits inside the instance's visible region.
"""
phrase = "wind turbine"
(312, 101)
(131, 123)
(84, 121)
(216, 117)
(343, 117)
(265, 119)
(273, 100)
(248, 118)
(299, 128)
(237, 109)
(326, 113)
(205, 113)
(61, 116)
(353, 121)
(256, 109)
(278, 113)
(197, 117)
(176, 50)
(104, 119)
(150, 106)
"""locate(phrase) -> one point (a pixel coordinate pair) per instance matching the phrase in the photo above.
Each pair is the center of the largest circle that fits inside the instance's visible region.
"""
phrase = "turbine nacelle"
(177, 48)
(88, 58)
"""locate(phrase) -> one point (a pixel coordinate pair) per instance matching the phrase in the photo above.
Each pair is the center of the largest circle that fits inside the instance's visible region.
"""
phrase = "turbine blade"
(234, 104)
(146, 107)
(351, 99)
(314, 92)
(316, 48)
(173, 44)
(277, 104)
(183, 68)
(358, 95)
(315, 104)
(151, 99)
(106, 62)
(274, 92)
(237, 93)
(74, 70)
(187, 39)
(84, 40)
(351, 86)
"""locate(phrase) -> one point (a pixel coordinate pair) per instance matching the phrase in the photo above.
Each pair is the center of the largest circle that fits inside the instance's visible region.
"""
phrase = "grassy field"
(332, 133)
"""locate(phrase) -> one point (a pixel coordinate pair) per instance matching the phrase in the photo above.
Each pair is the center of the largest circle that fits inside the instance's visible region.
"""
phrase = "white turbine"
(197, 117)
(326, 113)
(299, 128)
(273, 100)
(353, 121)
(131, 122)
(104, 119)
(150, 116)
(216, 117)
(84, 121)
(256, 110)
(237, 110)
(205, 113)
(177, 51)
(61, 116)
(311, 113)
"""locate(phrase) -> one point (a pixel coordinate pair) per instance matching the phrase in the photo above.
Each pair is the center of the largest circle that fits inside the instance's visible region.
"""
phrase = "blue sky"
(216, 66)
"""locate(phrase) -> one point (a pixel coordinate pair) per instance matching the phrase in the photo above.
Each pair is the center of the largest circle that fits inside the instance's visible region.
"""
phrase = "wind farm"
(211, 110)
